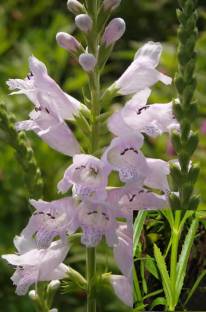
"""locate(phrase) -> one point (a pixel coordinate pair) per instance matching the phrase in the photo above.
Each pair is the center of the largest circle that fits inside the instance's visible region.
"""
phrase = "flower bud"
(87, 61)
(84, 22)
(110, 5)
(113, 31)
(53, 310)
(75, 6)
(33, 295)
(68, 42)
(54, 285)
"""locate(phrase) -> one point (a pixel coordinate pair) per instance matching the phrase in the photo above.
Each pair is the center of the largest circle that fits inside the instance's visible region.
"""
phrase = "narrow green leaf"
(164, 274)
(150, 266)
(138, 226)
(169, 216)
(184, 256)
(196, 284)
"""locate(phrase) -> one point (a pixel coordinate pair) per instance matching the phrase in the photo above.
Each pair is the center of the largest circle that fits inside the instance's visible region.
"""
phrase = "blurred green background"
(29, 27)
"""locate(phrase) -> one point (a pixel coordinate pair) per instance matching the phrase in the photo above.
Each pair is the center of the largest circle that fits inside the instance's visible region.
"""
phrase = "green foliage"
(186, 142)
(24, 153)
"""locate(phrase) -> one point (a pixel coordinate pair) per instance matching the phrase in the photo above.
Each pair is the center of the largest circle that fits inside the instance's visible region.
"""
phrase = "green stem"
(94, 84)
(91, 271)
(174, 248)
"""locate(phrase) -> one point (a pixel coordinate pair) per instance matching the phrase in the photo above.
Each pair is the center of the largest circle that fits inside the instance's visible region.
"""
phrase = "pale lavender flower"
(157, 174)
(137, 115)
(122, 288)
(52, 130)
(142, 73)
(114, 31)
(51, 220)
(88, 175)
(68, 42)
(75, 6)
(110, 5)
(33, 264)
(132, 198)
(97, 220)
(87, 61)
(124, 156)
(52, 106)
(44, 92)
(123, 250)
(84, 22)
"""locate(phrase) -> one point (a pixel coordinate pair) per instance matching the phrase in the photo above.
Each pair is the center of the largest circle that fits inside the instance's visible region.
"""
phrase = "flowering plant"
(92, 208)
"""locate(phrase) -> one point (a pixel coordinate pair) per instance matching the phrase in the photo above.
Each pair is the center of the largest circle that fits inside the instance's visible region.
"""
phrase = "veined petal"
(51, 220)
(87, 174)
(124, 155)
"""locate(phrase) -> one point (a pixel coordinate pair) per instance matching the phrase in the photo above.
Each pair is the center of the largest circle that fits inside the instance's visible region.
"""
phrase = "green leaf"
(164, 274)
(151, 267)
(138, 226)
(184, 256)
(195, 286)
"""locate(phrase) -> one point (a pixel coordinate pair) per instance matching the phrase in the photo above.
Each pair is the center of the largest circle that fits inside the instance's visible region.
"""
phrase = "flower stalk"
(94, 84)
(185, 109)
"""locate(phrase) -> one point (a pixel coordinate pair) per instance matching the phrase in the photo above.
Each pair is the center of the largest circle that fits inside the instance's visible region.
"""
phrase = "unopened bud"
(53, 310)
(68, 42)
(33, 295)
(75, 6)
(54, 285)
(114, 31)
(110, 5)
(87, 61)
(84, 22)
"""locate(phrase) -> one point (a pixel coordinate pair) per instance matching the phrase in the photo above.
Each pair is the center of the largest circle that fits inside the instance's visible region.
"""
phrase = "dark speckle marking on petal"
(49, 215)
(37, 109)
(30, 75)
(132, 197)
(105, 215)
(141, 191)
(144, 108)
(127, 150)
(93, 170)
(46, 109)
(80, 167)
(92, 212)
